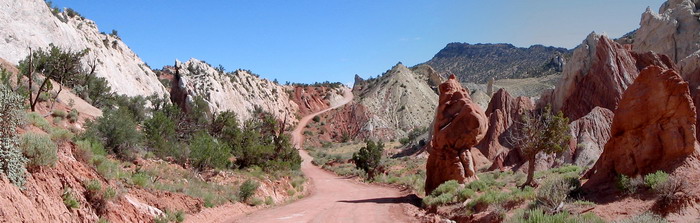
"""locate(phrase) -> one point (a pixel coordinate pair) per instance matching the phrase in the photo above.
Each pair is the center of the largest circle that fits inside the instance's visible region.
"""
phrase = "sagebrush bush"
(60, 135)
(654, 180)
(73, 116)
(38, 120)
(12, 162)
(69, 199)
(554, 192)
(39, 148)
(629, 185)
(539, 216)
(247, 189)
(93, 186)
(58, 113)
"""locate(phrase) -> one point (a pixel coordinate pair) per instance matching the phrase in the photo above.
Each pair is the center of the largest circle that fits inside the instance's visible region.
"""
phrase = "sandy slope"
(334, 198)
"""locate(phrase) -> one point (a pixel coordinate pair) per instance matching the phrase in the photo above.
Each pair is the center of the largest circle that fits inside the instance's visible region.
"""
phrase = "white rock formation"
(579, 65)
(239, 91)
(673, 31)
(400, 100)
(30, 23)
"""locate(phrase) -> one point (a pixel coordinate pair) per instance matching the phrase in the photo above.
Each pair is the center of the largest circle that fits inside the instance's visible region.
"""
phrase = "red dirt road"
(334, 198)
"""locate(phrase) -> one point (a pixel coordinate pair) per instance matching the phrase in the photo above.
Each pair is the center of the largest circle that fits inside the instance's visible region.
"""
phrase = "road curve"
(334, 198)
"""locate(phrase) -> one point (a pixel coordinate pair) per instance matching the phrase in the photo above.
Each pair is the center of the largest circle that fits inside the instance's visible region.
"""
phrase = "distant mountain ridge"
(479, 63)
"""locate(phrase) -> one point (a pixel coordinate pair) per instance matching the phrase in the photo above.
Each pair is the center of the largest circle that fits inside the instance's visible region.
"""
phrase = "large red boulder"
(459, 125)
(653, 128)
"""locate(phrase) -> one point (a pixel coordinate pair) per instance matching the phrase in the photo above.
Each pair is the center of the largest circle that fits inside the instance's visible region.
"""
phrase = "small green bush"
(369, 158)
(61, 135)
(489, 198)
(69, 199)
(39, 148)
(73, 116)
(629, 185)
(93, 186)
(38, 120)
(109, 193)
(654, 180)
(317, 118)
(58, 113)
(269, 201)
(12, 162)
(140, 179)
(247, 189)
(478, 185)
(117, 131)
(554, 192)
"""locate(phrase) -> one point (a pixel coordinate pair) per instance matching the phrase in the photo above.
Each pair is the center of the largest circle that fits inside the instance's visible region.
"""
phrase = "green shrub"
(478, 185)
(554, 192)
(61, 135)
(629, 185)
(94, 186)
(654, 180)
(39, 148)
(207, 152)
(38, 120)
(73, 116)
(57, 120)
(69, 199)
(58, 113)
(140, 179)
(317, 118)
(646, 217)
(12, 162)
(116, 130)
(159, 132)
(247, 189)
(109, 193)
(539, 216)
(443, 194)
(489, 198)
(269, 201)
(369, 158)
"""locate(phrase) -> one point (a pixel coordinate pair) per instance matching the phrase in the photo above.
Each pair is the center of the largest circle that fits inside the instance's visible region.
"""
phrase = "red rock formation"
(653, 128)
(459, 125)
(503, 111)
(590, 133)
(611, 71)
(310, 99)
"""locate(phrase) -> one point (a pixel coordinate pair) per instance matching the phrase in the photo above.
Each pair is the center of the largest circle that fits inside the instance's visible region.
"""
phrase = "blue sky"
(308, 41)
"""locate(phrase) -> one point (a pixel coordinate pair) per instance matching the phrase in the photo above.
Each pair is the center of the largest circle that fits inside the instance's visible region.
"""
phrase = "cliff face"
(238, 91)
(480, 62)
(32, 24)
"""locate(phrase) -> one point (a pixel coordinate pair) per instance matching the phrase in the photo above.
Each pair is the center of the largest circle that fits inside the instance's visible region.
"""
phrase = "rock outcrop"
(502, 112)
(590, 133)
(392, 104)
(673, 31)
(32, 24)
(459, 125)
(311, 99)
(653, 128)
(596, 76)
(240, 91)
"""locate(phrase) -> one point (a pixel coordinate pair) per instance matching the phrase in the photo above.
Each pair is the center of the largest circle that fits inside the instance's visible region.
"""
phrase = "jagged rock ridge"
(32, 24)
(238, 91)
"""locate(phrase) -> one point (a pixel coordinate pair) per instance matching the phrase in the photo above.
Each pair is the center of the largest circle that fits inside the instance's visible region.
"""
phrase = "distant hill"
(480, 62)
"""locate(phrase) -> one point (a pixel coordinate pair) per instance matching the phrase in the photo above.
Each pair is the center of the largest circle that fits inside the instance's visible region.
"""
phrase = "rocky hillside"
(239, 91)
(32, 23)
(387, 107)
(478, 63)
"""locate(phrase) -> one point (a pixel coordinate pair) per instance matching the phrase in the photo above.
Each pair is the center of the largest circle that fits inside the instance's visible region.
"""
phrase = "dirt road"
(334, 198)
